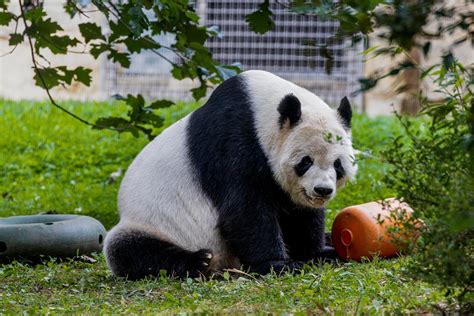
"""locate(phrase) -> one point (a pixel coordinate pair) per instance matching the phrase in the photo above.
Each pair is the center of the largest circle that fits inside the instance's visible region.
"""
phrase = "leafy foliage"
(433, 171)
(141, 118)
(261, 21)
(134, 27)
(401, 24)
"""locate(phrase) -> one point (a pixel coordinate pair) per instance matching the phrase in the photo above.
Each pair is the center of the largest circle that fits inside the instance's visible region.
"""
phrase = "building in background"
(281, 51)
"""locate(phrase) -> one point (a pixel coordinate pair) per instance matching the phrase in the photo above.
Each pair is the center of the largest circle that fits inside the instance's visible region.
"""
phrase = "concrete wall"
(383, 99)
(16, 70)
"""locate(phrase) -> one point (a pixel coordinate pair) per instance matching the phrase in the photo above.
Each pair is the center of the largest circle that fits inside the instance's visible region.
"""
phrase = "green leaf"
(35, 14)
(448, 60)
(137, 20)
(136, 102)
(160, 104)
(45, 27)
(98, 49)
(15, 39)
(261, 21)
(328, 65)
(196, 34)
(367, 83)
(200, 91)
(225, 72)
(5, 18)
(83, 75)
(369, 50)
(153, 119)
(60, 44)
(91, 31)
(118, 29)
(177, 72)
(50, 77)
(427, 71)
(122, 58)
(137, 45)
(215, 31)
(325, 52)
(115, 122)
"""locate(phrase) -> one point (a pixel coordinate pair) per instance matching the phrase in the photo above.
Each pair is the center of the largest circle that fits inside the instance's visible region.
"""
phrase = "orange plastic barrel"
(362, 230)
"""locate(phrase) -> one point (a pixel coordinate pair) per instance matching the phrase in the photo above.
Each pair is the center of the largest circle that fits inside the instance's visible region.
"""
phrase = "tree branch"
(48, 92)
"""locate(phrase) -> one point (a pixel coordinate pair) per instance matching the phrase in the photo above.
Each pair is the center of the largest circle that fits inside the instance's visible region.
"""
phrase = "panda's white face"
(307, 143)
(314, 162)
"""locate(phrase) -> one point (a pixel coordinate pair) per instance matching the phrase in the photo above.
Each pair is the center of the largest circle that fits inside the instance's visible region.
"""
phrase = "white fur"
(159, 192)
(286, 147)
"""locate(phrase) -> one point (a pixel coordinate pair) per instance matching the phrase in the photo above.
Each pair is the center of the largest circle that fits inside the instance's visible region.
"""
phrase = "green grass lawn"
(50, 162)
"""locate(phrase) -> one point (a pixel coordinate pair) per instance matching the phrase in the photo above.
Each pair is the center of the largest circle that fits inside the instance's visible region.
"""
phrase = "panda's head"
(313, 154)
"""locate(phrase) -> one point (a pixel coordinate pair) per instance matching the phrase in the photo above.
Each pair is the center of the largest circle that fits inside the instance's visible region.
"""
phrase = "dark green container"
(49, 235)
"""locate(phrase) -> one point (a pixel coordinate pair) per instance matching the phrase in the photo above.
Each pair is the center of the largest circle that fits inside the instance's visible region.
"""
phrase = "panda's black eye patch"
(303, 166)
(339, 169)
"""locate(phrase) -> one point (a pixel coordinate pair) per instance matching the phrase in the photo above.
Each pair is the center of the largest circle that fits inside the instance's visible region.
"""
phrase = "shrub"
(432, 170)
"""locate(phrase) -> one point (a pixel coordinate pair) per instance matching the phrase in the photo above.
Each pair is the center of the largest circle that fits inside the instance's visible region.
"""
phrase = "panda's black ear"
(289, 109)
(345, 112)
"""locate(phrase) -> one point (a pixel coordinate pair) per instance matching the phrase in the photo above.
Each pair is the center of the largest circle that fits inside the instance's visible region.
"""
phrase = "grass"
(50, 162)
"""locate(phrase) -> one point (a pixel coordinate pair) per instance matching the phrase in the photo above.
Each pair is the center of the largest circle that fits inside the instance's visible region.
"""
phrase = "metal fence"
(280, 51)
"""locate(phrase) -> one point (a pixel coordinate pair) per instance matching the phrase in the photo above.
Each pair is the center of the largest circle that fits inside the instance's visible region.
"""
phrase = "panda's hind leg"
(135, 254)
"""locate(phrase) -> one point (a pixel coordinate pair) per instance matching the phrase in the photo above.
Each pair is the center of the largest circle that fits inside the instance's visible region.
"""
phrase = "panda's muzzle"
(323, 192)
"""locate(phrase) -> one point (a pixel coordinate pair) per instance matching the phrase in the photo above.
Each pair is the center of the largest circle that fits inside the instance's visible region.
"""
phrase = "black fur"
(289, 109)
(303, 166)
(340, 172)
(136, 255)
(234, 172)
(345, 112)
(303, 238)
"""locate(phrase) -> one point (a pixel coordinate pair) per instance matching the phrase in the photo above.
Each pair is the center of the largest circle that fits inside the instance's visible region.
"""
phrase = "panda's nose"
(323, 191)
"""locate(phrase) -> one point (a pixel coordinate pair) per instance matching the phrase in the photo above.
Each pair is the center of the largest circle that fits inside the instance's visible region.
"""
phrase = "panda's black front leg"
(304, 235)
(253, 234)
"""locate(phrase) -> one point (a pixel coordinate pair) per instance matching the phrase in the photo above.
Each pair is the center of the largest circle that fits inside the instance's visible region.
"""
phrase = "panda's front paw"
(199, 262)
(327, 255)
(278, 266)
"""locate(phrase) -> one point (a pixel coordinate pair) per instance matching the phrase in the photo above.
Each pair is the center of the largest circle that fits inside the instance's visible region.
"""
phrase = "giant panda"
(241, 182)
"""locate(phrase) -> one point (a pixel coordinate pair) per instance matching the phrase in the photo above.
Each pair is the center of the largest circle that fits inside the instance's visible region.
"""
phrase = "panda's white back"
(160, 193)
